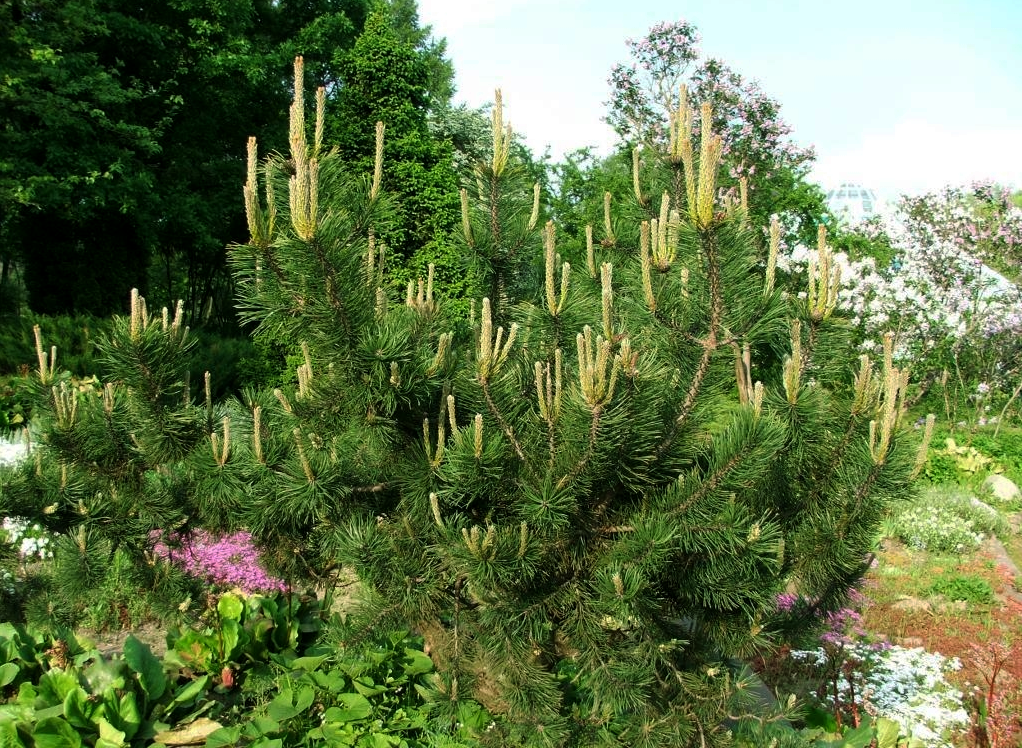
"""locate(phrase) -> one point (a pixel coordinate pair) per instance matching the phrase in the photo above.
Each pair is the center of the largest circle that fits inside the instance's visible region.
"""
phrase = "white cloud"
(913, 156)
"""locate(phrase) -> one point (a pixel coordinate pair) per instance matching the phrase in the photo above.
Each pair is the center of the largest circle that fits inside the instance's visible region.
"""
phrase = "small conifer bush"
(587, 497)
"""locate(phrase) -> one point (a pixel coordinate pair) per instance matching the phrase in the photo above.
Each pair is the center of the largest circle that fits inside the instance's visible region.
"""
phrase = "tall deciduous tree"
(755, 140)
(120, 126)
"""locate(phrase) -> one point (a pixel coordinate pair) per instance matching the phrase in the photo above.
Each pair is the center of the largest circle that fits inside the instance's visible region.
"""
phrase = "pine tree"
(587, 503)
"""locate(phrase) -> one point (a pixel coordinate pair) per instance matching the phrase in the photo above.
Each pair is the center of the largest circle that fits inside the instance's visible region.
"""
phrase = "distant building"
(853, 202)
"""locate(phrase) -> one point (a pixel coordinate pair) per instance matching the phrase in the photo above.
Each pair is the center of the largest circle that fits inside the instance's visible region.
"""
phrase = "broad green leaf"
(887, 733)
(109, 736)
(420, 663)
(189, 692)
(268, 743)
(338, 734)
(57, 710)
(9, 737)
(131, 717)
(55, 685)
(12, 713)
(27, 694)
(150, 670)
(8, 672)
(859, 737)
(230, 607)
(333, 681)
(77, 709)
(225, 736)
(308, 664)
(396, 637)
(260, 726)
(356, 706)
(55, 732)
(230, 633)
(367, 686)
(282, 708)
(304, 699)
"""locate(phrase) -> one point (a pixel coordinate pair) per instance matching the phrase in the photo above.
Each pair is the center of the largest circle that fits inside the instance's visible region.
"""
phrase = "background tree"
(755, 140)
(119, 136)
(386, 79)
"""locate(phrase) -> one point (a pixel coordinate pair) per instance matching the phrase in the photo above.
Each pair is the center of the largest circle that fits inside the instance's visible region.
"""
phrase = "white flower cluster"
(906, 685)
(32, 540)
(929, 297)
(936, 528)
(11, 451)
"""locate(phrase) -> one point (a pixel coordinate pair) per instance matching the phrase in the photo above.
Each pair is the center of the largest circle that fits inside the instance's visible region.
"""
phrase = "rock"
(912, 604)
(1001, 488)
(910, 642)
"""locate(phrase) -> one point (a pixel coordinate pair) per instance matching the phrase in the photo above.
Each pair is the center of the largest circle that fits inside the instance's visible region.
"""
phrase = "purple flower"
(230, 560)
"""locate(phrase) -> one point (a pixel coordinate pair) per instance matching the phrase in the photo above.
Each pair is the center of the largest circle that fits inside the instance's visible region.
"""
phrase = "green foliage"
(385, 80)
(1005, 450)
(586, 500)
(967, 587)
(14, 411)
(862, 241)
(74, 335)
(242, 631)
(68, 695)
(120, 125)
(822, 731)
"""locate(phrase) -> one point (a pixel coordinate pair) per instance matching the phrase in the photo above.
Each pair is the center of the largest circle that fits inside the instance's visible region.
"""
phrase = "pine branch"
(709, 344)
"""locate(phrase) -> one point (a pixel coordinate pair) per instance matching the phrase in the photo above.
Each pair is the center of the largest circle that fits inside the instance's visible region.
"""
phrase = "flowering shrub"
(954, 320)
(981, 220)
(936, 528)
(229, 561)
(755, 141)
(946, 520)
(31, 540)
(906, 685)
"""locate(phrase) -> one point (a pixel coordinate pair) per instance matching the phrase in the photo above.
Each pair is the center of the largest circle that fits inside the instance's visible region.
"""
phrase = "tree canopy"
(119, 136)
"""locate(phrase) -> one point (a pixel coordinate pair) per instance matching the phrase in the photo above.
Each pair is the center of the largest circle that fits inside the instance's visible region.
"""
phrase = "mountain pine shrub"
(587, 500)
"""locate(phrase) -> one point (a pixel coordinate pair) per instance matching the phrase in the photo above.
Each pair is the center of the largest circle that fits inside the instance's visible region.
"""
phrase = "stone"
(912, 604)
(1001, 488)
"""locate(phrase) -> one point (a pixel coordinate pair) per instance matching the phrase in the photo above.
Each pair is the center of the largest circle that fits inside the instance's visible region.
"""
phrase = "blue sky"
(900, 95)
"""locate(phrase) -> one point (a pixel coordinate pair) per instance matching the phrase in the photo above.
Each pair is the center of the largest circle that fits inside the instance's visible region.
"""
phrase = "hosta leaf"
(150, 670)
(55, 732)
(8, 672)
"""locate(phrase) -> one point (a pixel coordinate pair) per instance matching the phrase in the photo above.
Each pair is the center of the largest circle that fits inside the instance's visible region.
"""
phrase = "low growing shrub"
(936, 529)
(966, 587)
(946, 519)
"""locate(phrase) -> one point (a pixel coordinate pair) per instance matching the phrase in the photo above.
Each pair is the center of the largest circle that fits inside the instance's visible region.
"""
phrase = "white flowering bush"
(945, 519)
(31, 540)
(947, 310)
(909, 686)
(935, 528)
